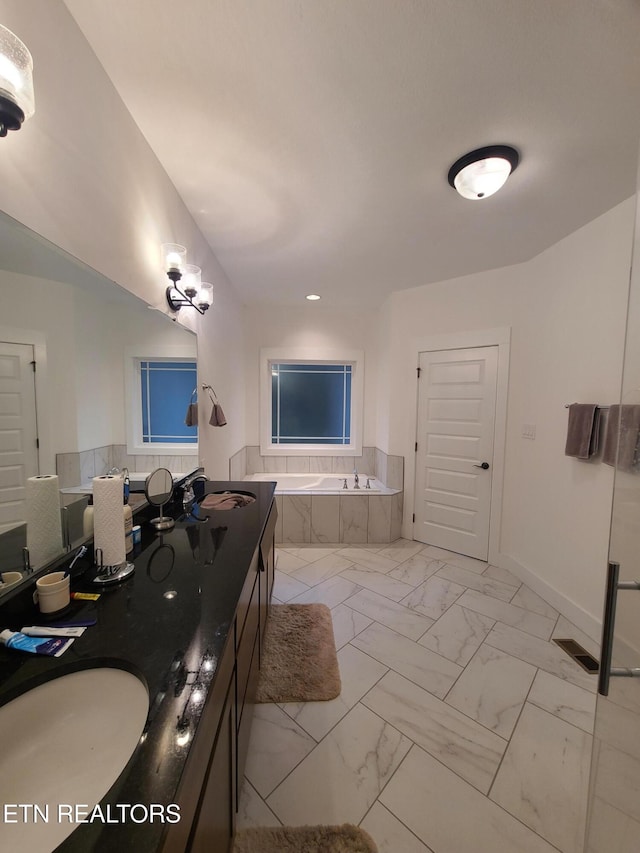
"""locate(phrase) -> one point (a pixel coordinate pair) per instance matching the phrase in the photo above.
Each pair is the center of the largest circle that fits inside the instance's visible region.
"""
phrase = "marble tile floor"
(460, 728)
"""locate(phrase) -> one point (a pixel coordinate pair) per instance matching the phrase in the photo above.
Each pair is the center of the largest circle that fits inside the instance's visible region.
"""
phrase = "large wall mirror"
(74, 417)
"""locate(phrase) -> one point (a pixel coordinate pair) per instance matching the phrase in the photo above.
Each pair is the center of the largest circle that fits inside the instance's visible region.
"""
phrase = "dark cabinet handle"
(484, 466)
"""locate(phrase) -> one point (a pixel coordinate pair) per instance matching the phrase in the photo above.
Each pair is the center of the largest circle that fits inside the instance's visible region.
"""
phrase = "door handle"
(483, 465)
(608, 622)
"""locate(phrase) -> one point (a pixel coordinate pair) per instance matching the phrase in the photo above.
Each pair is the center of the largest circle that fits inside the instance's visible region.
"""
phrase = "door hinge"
(418, 371)
(414, 518)
(33, 366)
(37, 443)
(416, 447)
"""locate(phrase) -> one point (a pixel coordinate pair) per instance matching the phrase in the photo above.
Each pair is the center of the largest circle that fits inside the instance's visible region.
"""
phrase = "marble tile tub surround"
(73, 469)
(353, 518)
(350, 519)
(388, 469)
(461, 727)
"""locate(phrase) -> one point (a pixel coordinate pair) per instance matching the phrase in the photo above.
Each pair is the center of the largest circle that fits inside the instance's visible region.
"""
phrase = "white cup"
(52, 592)
(9, 578)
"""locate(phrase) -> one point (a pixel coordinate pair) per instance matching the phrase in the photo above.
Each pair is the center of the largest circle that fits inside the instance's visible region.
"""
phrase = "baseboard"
(568, 608)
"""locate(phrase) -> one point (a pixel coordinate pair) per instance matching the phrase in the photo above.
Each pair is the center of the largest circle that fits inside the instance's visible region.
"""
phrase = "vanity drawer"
(245, 716)
(249, 590)
(245, 647)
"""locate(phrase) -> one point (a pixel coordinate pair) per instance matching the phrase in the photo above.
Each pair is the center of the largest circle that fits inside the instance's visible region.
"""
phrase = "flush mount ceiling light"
(482, 172)
(192, 292)
(16, 82)
(313, 297)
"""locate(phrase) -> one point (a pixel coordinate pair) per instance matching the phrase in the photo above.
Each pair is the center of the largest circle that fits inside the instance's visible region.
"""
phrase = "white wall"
(85, 335)
(81, 174)
(41, 306)
(103, 330)
(570, 349)
(384, 329)
(311, 325)
(98, 370)
(566, 309)
(221, 364)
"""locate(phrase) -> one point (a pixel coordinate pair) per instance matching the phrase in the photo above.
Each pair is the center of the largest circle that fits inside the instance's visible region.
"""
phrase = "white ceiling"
(311, 139)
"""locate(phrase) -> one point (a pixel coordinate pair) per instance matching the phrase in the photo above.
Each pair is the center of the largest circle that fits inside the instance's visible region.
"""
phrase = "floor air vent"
(581, 656)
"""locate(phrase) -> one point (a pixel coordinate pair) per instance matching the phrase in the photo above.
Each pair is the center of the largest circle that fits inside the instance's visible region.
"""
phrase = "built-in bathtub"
(316, 508)
(321, 484)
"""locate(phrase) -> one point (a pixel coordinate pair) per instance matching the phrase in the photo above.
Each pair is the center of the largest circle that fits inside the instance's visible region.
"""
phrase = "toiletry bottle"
(52, 646)
(87, 518)
(128, 519)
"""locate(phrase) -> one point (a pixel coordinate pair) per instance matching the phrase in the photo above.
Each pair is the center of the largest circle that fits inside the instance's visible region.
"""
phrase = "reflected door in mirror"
(18, 436)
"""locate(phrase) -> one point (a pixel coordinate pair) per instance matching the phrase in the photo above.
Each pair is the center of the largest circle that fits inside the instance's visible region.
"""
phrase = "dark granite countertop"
(168, 624)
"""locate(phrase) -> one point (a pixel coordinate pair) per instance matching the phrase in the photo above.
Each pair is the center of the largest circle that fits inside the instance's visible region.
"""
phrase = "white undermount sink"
(65, 742)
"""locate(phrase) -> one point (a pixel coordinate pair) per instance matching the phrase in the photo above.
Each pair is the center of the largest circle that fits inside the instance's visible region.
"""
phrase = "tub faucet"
(357, 479)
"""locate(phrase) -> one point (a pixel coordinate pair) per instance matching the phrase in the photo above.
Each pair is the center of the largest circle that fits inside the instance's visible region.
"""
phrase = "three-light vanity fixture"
(16, 82)
(187, 288)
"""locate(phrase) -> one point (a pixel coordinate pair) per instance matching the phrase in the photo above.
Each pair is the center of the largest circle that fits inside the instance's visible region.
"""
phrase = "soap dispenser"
(87, 518)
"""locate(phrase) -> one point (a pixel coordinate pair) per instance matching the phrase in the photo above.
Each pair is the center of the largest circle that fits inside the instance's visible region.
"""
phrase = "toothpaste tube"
(53, 646)
(44, 631)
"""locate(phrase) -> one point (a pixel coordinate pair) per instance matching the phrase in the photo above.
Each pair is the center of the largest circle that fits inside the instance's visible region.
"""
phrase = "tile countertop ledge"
(171, 642)
(137, 479)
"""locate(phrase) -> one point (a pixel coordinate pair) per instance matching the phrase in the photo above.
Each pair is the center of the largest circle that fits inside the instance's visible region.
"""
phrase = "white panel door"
(454, 456)
(18, 435)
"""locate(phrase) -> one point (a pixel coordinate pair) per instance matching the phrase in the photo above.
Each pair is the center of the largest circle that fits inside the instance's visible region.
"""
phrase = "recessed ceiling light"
(482, 172)
(313, 297)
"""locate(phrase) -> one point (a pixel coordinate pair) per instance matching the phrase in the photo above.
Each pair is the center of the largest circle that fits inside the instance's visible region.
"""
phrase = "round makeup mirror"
(158, 488)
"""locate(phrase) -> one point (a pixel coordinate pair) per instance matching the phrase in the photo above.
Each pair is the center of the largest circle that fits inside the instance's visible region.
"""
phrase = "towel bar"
(568, 405)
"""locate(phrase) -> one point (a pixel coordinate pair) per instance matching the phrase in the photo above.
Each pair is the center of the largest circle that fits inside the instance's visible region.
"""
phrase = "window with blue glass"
(311, 403)
(166, 388)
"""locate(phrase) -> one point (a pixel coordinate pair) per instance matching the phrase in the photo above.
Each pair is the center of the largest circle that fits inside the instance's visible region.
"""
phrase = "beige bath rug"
(305, 839)
(300, 663)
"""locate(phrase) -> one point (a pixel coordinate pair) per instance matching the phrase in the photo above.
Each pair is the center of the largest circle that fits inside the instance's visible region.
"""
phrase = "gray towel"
(217, 416)
(622, 436)
(582, 430)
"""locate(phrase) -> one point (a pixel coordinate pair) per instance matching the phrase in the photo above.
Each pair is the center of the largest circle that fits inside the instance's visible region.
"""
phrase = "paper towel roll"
(44, 527)
(108, 519)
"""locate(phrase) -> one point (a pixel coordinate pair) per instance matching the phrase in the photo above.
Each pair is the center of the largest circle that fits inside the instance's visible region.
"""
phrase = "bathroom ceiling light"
(482, 172)
(313, 297)
(192, 292)
(16, 82)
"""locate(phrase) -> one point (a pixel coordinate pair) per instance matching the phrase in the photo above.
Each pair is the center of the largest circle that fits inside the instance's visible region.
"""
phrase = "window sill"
(312, 450)
(162, 450)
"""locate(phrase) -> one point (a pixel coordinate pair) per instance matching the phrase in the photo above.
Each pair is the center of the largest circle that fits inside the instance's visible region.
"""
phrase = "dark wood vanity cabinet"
(215, 822)
(267, 568)
(229, 713)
